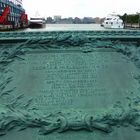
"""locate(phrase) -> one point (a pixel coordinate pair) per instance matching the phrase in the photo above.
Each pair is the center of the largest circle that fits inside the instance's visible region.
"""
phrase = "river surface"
(69, 27)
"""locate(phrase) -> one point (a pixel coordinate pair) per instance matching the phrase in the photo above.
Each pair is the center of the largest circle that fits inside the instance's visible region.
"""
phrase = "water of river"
(68, 27)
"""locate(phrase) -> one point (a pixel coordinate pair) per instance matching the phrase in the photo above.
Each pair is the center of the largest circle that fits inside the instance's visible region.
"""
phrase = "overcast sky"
(80, 8)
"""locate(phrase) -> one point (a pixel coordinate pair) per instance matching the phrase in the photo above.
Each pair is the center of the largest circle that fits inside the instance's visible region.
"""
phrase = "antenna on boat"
(37, 14)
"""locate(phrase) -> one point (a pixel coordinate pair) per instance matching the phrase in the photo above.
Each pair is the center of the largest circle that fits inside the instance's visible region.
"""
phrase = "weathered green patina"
(70, 85)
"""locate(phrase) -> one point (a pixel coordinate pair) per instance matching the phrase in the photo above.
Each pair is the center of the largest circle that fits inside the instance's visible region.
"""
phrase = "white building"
(57, 18)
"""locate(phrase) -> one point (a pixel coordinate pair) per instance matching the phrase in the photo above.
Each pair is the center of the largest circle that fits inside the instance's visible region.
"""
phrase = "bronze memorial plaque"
(68, 93)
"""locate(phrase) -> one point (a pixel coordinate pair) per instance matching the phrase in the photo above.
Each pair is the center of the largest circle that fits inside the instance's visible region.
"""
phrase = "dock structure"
(132, 26)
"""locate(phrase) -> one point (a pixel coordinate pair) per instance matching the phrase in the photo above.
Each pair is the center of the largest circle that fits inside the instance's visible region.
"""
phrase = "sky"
(80, 8)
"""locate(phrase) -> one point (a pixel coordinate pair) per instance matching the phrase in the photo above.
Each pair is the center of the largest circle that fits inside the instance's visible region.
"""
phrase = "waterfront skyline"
(80, 8)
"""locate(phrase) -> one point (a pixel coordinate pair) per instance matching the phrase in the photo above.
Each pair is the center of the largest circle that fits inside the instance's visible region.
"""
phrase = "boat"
(12, 15)
(113, 21)
(37, 22)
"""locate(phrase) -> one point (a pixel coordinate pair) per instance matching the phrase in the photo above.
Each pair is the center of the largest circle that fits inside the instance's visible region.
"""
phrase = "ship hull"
(11, 20)
(36, 25)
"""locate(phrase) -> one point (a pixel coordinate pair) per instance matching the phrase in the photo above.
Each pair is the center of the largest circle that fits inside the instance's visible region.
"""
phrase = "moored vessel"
(12, 15)
(37, 22)
(113, 21)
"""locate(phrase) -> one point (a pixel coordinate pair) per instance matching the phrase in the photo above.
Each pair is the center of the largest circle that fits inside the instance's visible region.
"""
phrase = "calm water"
(69, 27)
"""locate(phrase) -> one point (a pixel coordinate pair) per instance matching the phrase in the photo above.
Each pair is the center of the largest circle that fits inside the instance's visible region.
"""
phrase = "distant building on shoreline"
(57, 19)
(98, 20)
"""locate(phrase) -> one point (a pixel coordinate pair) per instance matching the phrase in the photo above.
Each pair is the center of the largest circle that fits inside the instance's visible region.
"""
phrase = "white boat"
(37, 22)
(113, 21)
